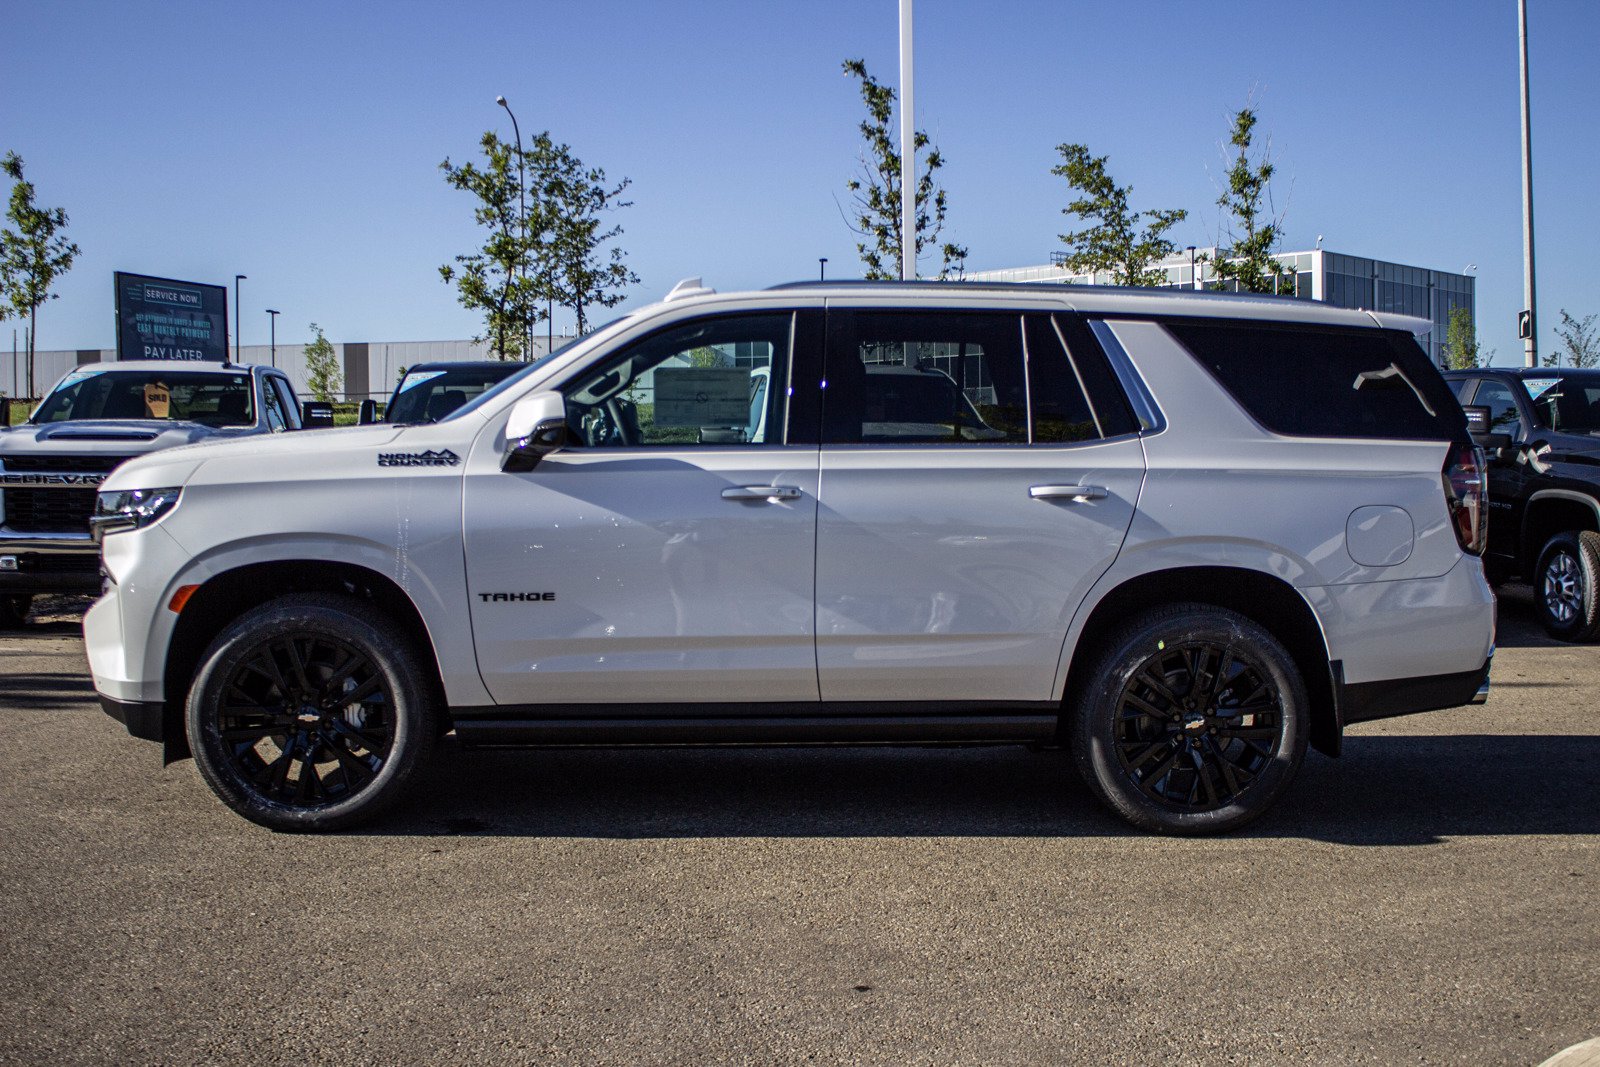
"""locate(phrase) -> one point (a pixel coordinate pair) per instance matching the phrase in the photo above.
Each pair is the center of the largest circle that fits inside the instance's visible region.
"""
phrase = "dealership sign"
(158, 318)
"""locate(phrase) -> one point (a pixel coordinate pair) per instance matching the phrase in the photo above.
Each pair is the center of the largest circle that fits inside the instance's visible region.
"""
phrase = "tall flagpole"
(908, 154)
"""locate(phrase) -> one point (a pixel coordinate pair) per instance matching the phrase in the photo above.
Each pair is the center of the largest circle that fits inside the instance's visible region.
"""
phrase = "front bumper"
(48, 563)
(144, 719)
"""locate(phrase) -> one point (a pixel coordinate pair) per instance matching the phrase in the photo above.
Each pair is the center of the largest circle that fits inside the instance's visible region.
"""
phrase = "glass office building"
(1332, 277)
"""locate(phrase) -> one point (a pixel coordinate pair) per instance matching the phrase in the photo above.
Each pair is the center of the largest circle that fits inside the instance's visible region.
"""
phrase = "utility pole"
(272, 312)
(908, 154)
(1529, 328)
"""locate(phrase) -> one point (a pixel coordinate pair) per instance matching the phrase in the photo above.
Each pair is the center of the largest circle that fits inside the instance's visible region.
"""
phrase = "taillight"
(1466, 491)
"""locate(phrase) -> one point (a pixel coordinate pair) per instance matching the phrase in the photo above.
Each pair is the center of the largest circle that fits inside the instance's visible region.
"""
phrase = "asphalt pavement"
(1431, 897)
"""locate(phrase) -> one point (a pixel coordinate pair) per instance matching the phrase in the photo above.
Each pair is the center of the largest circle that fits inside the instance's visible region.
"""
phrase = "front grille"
(30, 510)
(60, 464)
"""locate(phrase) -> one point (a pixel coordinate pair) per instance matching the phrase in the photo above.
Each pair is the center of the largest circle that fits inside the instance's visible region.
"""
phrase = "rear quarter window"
(1327, 381)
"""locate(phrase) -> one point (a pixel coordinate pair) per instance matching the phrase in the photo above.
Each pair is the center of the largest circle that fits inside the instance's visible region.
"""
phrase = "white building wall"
(384, 361)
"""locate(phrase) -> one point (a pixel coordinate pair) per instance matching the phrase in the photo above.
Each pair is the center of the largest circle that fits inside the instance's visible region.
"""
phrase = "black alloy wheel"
(1567, 586)
(308, 713)
(1197, 725)
(1194, 720)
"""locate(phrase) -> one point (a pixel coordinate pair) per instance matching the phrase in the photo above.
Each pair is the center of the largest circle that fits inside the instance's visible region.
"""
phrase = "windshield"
(1567, 403)
(222, 398)
(430, 395)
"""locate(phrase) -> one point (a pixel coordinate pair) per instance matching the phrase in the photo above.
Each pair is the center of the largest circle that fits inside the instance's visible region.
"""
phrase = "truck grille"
(31, 510)
(28, 509)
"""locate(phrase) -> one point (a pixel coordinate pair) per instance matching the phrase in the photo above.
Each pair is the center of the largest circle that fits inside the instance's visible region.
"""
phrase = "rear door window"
(1327, 381)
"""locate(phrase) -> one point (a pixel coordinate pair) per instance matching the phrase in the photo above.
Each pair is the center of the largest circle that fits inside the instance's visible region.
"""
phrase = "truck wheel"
(310, 712)
(1192, 721)
(14, 610)
(1567, 585)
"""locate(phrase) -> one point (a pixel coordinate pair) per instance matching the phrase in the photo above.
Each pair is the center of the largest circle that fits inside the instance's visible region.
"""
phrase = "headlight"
(130, 509)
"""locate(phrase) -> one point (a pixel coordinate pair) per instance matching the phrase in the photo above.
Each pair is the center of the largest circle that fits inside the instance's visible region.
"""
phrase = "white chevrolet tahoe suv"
(1183, 535)
(95, 418)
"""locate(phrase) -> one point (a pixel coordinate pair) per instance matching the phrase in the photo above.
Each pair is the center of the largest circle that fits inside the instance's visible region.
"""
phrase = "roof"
(1124, 300)
(171, 365)
(1529, 372)
(511, 366)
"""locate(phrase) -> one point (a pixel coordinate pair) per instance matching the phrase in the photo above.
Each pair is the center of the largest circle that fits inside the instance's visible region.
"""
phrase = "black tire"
(14, 610)
(1192, 720)
(1566, 585)
(311, 712)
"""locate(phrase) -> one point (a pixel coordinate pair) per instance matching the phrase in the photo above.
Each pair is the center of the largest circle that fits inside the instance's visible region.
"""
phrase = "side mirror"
(367, 414)
(5, 411)
(1482, 431)
(316, 414)
(537, 427)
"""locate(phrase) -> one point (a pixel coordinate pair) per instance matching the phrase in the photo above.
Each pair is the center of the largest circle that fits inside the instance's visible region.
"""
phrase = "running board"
(796, 730)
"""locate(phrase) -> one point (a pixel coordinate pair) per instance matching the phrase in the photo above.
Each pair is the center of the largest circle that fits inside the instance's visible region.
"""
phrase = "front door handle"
(761, 492)
(1071, 493)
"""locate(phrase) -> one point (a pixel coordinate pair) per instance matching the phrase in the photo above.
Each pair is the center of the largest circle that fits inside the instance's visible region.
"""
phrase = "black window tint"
(1111, 407)
(1327, 381)
(1503, 414)
(1061, 412)
(918, 378)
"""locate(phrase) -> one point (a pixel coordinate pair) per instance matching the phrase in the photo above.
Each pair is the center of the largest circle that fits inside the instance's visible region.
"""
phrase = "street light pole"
(1530, 344)
(522, 221)
(238, 316)
(274, 321)
(1193, 281)
(822, 268)
(908, 154)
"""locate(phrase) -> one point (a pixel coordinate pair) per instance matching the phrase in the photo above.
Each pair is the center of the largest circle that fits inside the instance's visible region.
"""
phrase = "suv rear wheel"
(1567, 585)
(1194, 720)
(309, 713)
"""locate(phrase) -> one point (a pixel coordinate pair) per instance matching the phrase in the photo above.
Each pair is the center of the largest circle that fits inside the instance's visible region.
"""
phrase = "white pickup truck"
(96, 417)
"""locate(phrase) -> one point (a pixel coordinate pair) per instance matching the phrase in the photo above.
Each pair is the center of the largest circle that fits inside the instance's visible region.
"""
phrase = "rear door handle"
(761, 492)
(1072, 493)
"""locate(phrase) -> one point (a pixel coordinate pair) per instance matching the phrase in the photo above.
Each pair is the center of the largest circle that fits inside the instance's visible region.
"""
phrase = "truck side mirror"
(5, 411)
(1477, 419)
(367, 414)
(316, 414)
(537, 427)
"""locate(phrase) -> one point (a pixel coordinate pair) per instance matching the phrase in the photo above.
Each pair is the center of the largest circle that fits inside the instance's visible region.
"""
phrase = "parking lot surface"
(1432, 897)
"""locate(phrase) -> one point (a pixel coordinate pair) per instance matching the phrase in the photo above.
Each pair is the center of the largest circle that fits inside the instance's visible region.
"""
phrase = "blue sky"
(299, 143)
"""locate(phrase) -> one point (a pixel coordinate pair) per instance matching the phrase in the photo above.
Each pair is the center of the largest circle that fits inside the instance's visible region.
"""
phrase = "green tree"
(501, 279)
(572, 198)
(323, 375)
(32, 256)
(1579, 340)
(1252, 229)
(875, 212)
(1462, 350)
(1117, 239)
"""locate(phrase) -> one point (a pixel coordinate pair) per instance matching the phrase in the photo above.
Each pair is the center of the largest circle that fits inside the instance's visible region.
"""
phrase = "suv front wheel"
(1193, 721)
(1567, 585)
(309, 713)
